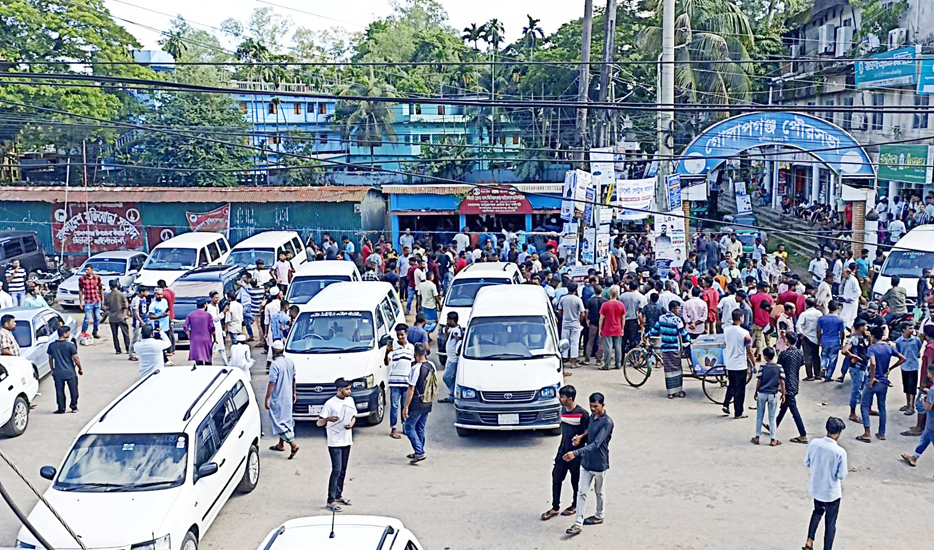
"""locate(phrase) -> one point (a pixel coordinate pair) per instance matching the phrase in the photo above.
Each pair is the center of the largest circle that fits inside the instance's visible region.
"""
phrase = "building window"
(828, 115)
(440, 109)
(878, 100)
(515, 140)
(298, 108)
(848, 115)
(322, 108)
(275, 140)
(242, 106)
(324, 139)
(502, 140)
(310, 108)
(920, 119)
(273, 108)
(418, 109)
(425, 138)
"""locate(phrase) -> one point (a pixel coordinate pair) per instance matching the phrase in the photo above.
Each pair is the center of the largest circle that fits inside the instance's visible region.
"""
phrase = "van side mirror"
(207, 469)
(47, 472)
(563, 345)
(385, 340)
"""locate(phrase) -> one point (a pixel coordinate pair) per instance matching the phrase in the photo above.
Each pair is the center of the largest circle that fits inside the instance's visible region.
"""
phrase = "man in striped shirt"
(399, 358)
(256, 306)
(575, 421)
(16, 281)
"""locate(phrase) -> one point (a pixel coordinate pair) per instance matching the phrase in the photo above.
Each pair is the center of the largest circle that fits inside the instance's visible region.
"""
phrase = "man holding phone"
(339, 417)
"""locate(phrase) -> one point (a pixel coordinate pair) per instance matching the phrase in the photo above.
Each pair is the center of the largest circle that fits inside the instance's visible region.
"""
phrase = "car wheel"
(18, 420)
(463, 432)
(190, 542)
(251, 473)
(377, 417)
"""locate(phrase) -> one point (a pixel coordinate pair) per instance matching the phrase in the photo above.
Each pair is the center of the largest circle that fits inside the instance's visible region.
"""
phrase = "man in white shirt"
(339, 417)
(827, 462)
(462, 240)
(818, 268)
(5, 299)
(825, 292)
(851, 295)
(896, 230)
(234, 317)
(737, 356)
(149, 350)
(240, 356)
(283, 270)
(261, 274)
(272, 307)
(406, 240)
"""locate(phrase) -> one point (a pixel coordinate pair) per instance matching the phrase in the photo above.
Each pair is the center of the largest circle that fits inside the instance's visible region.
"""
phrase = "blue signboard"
(926, 76)
(824, 140)
(888, 69)
(673, 183)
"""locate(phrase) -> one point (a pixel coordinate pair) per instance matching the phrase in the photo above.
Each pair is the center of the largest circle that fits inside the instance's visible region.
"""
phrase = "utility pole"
(584, 83)
(606, 71)
(666, 99)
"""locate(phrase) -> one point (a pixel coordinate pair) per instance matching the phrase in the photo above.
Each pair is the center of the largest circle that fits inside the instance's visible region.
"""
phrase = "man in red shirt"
(461, 262)
(761, 304)
(91, 294)
(712, 298)
(612, 313)
(790, 296)
(169, 296)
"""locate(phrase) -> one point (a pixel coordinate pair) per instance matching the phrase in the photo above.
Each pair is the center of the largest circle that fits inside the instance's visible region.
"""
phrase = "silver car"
(36, 328)
(122, 265)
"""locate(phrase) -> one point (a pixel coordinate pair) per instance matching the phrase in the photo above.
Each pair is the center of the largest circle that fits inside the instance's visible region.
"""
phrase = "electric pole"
(606, 71)
(666, 99)
(584, 84)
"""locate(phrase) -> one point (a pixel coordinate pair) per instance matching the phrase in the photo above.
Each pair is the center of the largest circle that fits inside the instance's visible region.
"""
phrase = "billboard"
(79, 227)
(216, 221)
(907, 163)
(669, 238)
(888, 69)
(495, 200)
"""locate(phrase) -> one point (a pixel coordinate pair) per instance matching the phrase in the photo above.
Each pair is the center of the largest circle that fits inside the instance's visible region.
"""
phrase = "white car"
(119, 265)
(350, 533)
(153, 469)
(18, 388)
(171, 259)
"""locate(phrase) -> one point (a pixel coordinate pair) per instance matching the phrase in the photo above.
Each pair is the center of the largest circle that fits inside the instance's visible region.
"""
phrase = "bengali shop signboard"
(907, 163)
(889, 69)
(495, 200)
(216, 221)
(78, 227)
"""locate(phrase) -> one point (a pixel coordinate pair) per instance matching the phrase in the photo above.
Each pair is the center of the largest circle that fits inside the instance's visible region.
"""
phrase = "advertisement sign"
(907, 163)
(102, 227)
(567, 247)
(634, 197)
(155, 234)
(743, 202)
(588, 245)
(504, 199)
(602, 253)
(603, 171)
(590, 195)
(567, 197)
(669, 238)
(673, 184)
(926, 76)
(217, 220)
(888, 69)
(578, 273)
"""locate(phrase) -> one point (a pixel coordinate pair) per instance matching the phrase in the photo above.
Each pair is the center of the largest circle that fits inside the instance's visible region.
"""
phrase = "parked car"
(198, 283)
(155, 477)
(23, 246)
(350, 533)
(313, 277)
(171, 259)
(36, 328)
(120, 265)
(18, 387)
(267, 246)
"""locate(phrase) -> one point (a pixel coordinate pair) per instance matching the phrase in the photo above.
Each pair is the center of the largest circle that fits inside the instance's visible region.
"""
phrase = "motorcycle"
(49, 280)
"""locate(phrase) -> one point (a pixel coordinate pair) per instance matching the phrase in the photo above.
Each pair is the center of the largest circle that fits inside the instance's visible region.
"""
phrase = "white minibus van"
(267, 246)
(313, 277)
(509, 369)
(913, 254)
(170, 259)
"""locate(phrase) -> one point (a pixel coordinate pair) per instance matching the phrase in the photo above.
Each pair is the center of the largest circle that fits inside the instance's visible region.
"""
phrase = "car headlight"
(21, 544)
(461, 392)
(550, 392)
(367, 381)
(164, 543)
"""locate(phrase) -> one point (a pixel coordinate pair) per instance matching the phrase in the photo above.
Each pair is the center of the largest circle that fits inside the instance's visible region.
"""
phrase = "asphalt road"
(682, 475)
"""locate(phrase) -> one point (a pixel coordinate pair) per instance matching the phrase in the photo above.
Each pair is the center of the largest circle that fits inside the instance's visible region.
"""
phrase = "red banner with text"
(100, 227)
(155, 234)
(495, 200)
(217, 220)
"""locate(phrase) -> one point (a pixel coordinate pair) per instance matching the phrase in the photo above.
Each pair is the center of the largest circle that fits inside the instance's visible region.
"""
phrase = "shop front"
(905, 169)
(435, 213)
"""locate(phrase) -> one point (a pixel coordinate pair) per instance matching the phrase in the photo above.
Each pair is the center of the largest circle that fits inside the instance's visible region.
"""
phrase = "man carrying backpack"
(423, 388)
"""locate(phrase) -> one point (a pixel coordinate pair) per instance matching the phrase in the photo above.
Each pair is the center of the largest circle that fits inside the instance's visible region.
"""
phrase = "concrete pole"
(666, 98)
(859, 227)
(815, 181)
(606, 70)
(584, 83)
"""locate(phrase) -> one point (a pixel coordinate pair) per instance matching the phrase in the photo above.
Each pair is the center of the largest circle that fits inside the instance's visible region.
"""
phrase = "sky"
(353, 15)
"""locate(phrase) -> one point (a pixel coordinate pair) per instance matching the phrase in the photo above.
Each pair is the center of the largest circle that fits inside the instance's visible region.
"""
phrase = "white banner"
(743, 202)
(669, 238)
(633, 197)
(588, 244)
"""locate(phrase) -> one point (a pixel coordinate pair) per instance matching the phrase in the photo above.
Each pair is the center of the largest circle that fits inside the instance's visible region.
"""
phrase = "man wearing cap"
(280, 396)
(827, 461)
(240, 356)
(200, 328)
(271, 308)
(261, 274)
(338, 417)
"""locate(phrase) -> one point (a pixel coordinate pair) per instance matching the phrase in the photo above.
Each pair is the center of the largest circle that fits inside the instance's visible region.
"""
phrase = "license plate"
(508, 419)
(315, 410)
(178, 325)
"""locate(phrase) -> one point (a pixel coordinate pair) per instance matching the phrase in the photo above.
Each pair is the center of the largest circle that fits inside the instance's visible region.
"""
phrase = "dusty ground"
(682, 476)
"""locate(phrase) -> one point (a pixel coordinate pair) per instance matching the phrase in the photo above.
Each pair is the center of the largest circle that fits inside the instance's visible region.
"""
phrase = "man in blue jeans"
(91, 294)
(856, 352)
(830, 337)
(452, 349)
(418, 404)
(927, 437)
(399, 358)
(880, 356)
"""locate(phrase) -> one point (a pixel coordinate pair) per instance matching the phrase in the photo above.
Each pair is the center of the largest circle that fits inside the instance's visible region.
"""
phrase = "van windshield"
(304, 289)
(464, 291)
(907, 263)
(124, 462)
(171, 259)
(247, 257)
(195, 289)
(522, 337)
(331, 332)
(106, 266)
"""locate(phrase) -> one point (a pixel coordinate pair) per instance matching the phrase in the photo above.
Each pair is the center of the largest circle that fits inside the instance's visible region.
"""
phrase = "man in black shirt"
(63, 358)
(791, 361)
(575, 421)
(872, 317)
(595, 461)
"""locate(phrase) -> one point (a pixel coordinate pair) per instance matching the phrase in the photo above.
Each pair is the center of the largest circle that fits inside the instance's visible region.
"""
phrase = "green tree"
(531, 33)
(180, 112)
(264, 26)
(878, 18)
(369, 123)
(448, 159)
(473, 34)
(174, 44)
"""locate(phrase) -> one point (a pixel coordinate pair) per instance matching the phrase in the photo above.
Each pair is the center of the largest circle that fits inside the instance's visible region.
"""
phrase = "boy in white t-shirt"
(339, 417)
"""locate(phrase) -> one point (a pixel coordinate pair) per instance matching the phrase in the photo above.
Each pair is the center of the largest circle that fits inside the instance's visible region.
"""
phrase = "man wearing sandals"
(339, 418)
(927, 437)
(595, 461)
(827, 461)
(575, 421)
(880, 356)
(280, 396)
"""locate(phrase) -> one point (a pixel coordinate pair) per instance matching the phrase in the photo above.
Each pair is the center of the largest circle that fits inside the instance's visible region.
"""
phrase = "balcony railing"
(258, 86)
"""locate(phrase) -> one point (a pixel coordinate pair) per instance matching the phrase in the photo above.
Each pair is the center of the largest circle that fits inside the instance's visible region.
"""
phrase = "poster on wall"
(100, 227)
(673, 184)
(590, 195)
(495, 200)
(568, 246)
(669, 238)
(743, 202)
(588, 245)
(634, 197)
(216, 221)
(155, 234)
(602, 253)
(567, 197)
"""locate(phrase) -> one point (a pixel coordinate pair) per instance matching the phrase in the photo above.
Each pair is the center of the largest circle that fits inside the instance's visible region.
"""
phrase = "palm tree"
(369, 122)
(493, 35)
(473, 34)
(531, 33)
(174, 45)
(708, 32)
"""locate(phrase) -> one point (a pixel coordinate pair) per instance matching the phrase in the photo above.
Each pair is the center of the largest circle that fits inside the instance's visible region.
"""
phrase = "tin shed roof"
(185, 194)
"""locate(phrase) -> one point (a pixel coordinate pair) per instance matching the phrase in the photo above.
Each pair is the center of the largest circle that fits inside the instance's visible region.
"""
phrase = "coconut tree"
(473, 34)
(174, 45)
(531, 33)
(368, 122)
